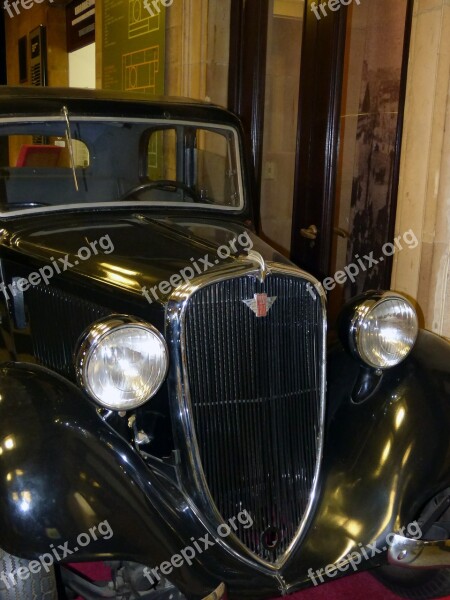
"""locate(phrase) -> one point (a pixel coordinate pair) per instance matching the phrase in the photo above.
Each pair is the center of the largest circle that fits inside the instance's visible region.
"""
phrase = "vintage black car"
(168, 406)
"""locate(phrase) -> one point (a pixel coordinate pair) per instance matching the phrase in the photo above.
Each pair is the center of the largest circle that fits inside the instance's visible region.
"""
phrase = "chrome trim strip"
(419, 554)
(176, 313)
(118, 204)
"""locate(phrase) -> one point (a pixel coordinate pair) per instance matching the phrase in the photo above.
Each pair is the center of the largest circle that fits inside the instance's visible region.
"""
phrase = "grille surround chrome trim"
(184, 428)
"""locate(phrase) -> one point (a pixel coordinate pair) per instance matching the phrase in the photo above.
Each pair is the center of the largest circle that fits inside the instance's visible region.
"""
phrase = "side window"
(202, 159)
(162, 155)
(216, 173)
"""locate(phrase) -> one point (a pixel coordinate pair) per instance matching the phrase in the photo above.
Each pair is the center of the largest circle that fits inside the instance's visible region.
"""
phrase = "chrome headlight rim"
(96, 333)
(362, 311)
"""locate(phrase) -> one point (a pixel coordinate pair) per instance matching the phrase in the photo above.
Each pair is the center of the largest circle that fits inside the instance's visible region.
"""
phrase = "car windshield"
(57, 163)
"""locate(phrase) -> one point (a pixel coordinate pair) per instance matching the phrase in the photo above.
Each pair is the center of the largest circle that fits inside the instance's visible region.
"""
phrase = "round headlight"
(384, 330)
(121, 362)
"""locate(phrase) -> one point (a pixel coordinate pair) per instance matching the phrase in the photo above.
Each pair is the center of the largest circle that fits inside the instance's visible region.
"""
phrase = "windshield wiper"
(69, 144)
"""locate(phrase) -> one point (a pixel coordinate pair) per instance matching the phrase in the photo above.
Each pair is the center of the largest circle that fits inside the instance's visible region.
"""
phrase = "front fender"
(63, 470)
(385, 457)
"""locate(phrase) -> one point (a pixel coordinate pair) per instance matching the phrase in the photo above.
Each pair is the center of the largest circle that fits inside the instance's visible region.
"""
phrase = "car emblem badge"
(260, 304)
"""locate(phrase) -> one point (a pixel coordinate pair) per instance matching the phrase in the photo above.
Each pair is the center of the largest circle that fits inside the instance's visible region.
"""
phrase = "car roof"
(40, 101)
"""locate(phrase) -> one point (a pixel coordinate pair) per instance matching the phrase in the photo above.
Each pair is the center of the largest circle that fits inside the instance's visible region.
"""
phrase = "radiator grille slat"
(255, 391)
(57, 319)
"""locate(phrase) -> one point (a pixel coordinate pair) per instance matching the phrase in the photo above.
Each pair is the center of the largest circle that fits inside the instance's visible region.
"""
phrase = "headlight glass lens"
(122, 367)
(387, 332)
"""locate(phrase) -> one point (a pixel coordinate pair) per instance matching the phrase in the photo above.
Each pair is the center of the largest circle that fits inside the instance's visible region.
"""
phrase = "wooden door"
(344, 77)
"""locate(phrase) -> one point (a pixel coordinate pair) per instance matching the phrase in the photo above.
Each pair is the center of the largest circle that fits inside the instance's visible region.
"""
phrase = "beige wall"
(197, 49)
(280, 120)
(424, 194)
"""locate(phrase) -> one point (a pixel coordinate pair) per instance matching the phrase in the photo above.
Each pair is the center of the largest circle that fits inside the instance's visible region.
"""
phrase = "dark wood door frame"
(2, 49)
(321, 79)
(322, 60)
(321, 87)
(247, 77)
(387, 277)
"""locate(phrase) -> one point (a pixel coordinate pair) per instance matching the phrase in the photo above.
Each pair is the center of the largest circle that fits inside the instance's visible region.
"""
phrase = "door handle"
(310, 233)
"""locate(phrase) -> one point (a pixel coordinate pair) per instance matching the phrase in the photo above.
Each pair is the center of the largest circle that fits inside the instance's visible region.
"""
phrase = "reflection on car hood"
(134, 250)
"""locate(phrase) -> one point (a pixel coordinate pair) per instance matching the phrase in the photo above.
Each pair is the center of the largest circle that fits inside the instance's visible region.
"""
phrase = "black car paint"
(355, 483)
(64, 448)
(378, 470)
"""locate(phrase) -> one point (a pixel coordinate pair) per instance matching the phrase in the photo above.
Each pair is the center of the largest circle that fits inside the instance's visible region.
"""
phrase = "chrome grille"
(255, 388)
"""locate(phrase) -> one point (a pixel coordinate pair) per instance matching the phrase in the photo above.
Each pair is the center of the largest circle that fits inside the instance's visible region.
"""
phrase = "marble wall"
(424, 195)
(197, 49)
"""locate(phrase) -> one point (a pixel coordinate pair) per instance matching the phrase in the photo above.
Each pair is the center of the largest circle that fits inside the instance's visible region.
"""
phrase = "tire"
(415, 585)
(38, 586)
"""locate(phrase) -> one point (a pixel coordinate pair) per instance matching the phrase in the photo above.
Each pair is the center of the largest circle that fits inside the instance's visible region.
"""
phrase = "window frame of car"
(153, 124)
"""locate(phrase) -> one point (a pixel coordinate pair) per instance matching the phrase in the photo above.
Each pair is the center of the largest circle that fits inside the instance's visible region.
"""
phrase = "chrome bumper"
(219, 594)
(419, 554)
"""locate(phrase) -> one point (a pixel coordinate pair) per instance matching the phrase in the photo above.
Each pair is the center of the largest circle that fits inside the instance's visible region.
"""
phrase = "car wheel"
(37, 586)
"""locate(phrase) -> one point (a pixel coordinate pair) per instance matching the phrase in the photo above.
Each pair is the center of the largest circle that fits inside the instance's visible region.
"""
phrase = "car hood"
(133, 250)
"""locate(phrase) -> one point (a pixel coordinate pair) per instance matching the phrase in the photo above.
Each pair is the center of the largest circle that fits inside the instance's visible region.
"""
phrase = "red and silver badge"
(260, 304)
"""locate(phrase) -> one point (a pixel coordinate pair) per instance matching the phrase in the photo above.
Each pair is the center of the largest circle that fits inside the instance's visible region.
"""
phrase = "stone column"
(424, 193)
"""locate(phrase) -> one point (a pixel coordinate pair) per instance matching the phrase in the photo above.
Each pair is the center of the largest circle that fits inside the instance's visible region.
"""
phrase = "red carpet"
(361, 586)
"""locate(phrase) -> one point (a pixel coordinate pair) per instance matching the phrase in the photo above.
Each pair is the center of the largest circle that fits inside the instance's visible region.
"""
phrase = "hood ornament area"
(260, 304)
(258, 260)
